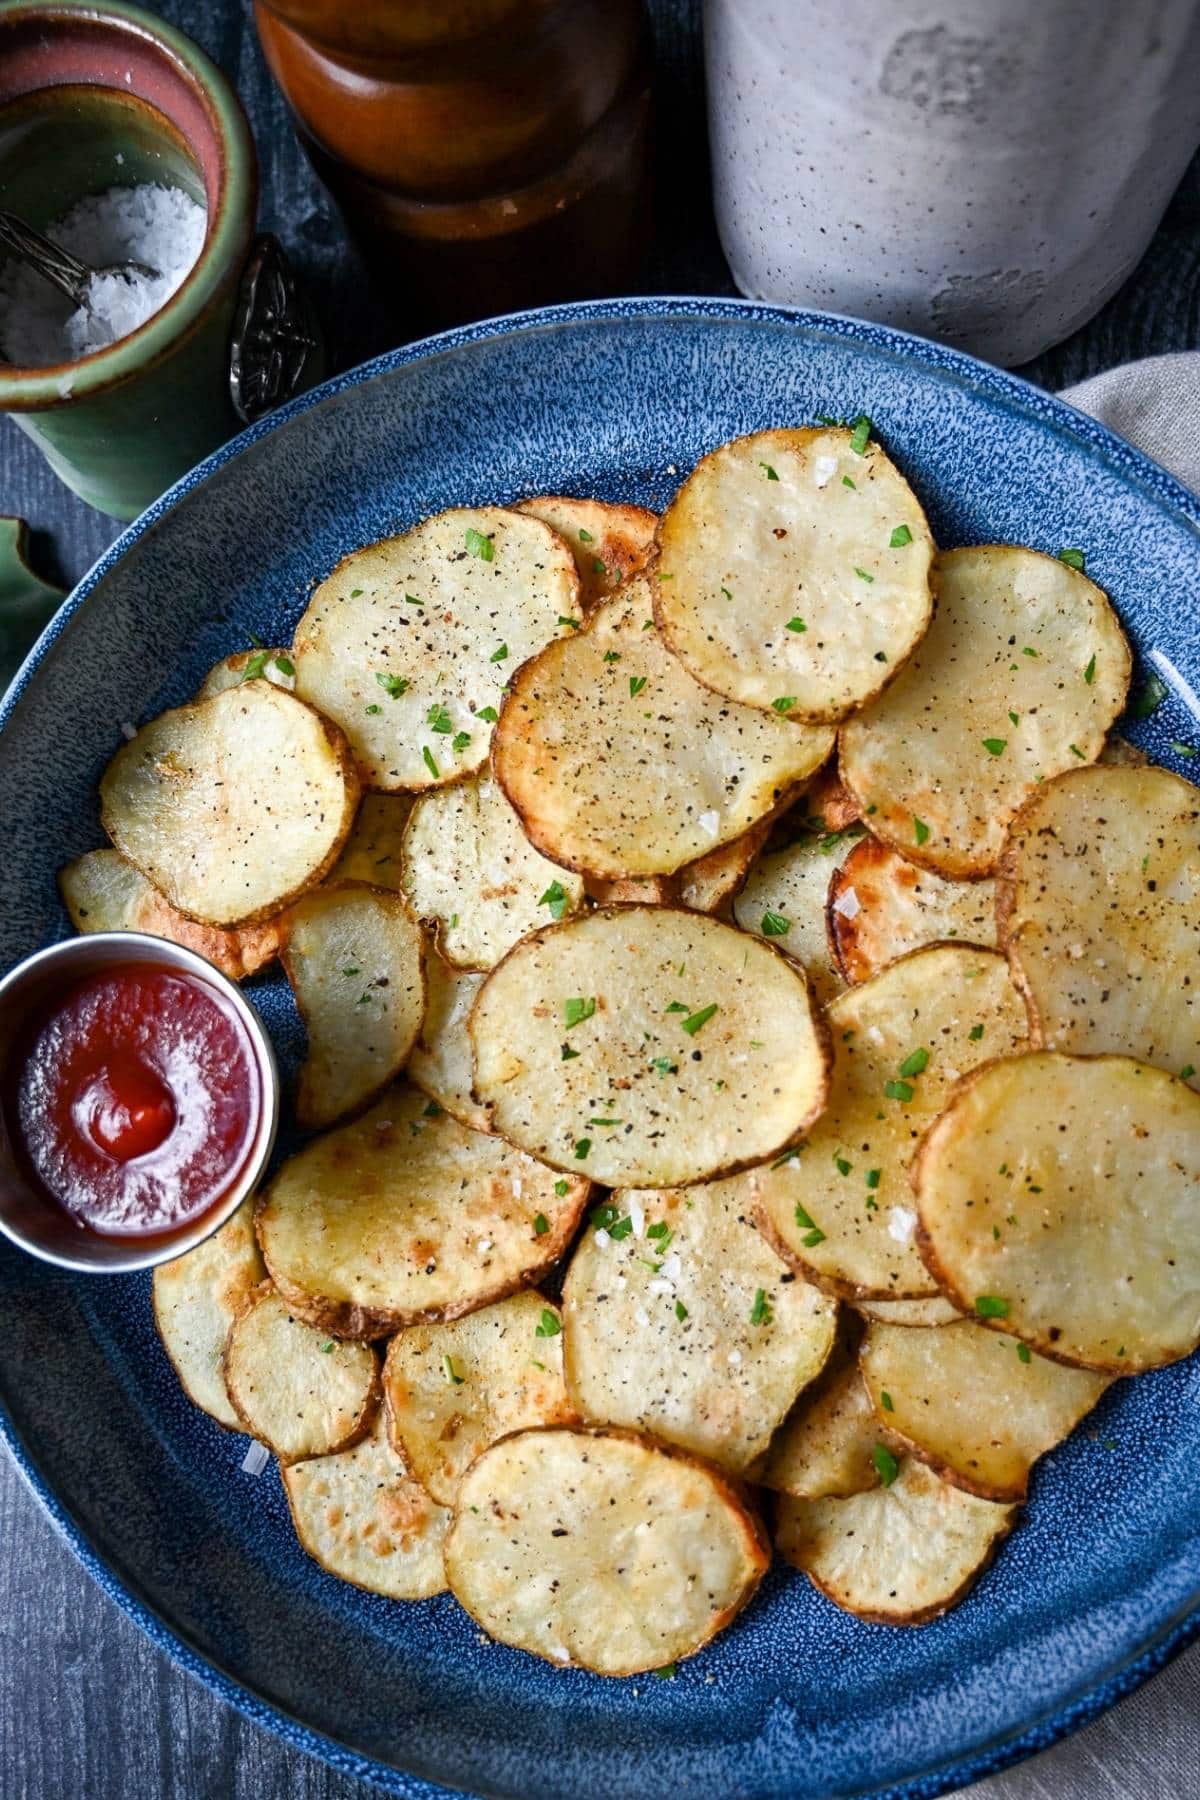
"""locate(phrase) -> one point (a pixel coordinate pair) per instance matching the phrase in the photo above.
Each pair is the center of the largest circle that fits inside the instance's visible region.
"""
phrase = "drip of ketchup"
(134, 1100)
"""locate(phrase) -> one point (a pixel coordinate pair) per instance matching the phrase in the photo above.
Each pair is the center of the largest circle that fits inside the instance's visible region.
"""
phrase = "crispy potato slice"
(784, 899)
(881, 906)
(364, 1519)
(827, 1444)
(638, 890)
(709, 1345)
(609, 542)
(1099, 910)
(451, 1390)
(1058, 1197)
(473, 877)
(409, 643)
(374, 850)
(232, 806)
(1024, 669)
(441, 1063)
(619, 764)
(601, 1550)
(705, 885)
(648, 1046)
(353, 958)
(1118, 752)
(828, 805)
(196, 1299)
(407, 1216)
(793, 572)
(297, 1390)
(916, 1315)
(839, 1208)
(103, 892)
(978, 1407)
(274, 666)
(897, 1555)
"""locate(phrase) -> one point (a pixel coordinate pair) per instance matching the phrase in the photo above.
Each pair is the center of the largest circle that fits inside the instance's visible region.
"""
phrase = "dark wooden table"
(88, 1709)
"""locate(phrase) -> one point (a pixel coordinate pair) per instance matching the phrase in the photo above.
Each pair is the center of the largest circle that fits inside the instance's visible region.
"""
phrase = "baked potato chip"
(103, 892)
(679, 1320)
(353, 958)
(374, 850)
(881, 906)
(1119, 753)
(196, 1298)
(473, 877)
(406, 1216)
(609, 542)
(274, 666)
(441, 1063)
(362, 1517)
(619, 764)
(827, 1443)
(232, 806)
(839, 1208)
(793, 572)
(784, 899)
(896, 1555)
(648, 1046)
(828, 804)
(978, 1407)
(917, 1315)
(453, 1389)
(600, 1550)
(1058, 1198)
(409, 643)
(1099, 911)
(297, 1390)
(638, 890)
(1024, 669)
(705, 885)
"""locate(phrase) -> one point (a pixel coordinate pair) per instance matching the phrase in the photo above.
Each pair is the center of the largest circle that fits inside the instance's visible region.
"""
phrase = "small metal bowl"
(27, 1217)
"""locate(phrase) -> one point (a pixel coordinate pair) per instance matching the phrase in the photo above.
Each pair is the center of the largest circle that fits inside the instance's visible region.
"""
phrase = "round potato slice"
(441, 1063)
(609, 542)
(196, 1299)
(294, 1388)
(601, 1550)
(839, 1208)
(828, 1443)
(353, 959)
(705, 885)
(406, 1216)
(232, 806)
(1024, 669)
(274, 666)
(679, 1320)
(473, 877)
(1058, 1197)
(451, 1390)
(619, 764)
(648, 1046)
(374, 850)
(793, 572)
(881, 906)
(103, 892)
(784, 899)
(362, 1517)
(978, 1407)
(916, 1315)
(1099, 911)
(897, 1555)
(410, 642)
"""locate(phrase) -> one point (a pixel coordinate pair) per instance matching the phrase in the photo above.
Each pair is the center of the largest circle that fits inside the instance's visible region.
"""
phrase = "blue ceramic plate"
(1101, 1581)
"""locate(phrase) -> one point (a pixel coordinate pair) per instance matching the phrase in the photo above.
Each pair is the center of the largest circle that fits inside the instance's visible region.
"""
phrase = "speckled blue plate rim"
(1005, 390)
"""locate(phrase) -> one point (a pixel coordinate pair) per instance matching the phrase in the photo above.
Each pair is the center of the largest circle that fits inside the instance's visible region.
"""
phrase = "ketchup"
(135, 1100)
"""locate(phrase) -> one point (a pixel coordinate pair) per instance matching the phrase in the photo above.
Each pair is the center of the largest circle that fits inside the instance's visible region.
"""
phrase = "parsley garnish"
(499, 654)
(461, 740)
(611, 656)
(897, 1090)
(585, 537)
(549, 1326)
(413, 601)
(480, 546)
(1023, 1353)
(795, 625)
(541, 1224)
(450, 1372)
(555, 897)
(784, 703)
(771, 475)
(975, 1033)
(1072, 558)
(842, 1166)
(1028, 651)
(563, 620)
(664, 1065)
(677, 1006)
(355, 592)
(488, 714)
(636, 684)
(862, 574)
(995, 746)
(681, 1311)
(886, 1466)
(991, 1306)
(916, 1063)
(351, 970)
(920, 829)
(694, 1021)
(846, 482)
(577, 1009)
(760, 1312)
(255, 666)
(440, 719)
(560, 1187)
(582, 1146)
(1184, 750)
(860, 437)
(808, 1225)
(873, 1177)
(598, 567)
(775, 925)
(427, 757)
(901, 536)
(1089, 674)
(392, 685)
(885, 1400)
(1187, 1071)
(666, 1673)
(327, 1347)
(374, 708)
(1150, 698)
(1076, 751)
(604, 1122)
(1014, 718)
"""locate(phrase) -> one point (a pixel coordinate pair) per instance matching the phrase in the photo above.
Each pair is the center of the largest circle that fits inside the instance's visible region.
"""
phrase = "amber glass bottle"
(487, 154)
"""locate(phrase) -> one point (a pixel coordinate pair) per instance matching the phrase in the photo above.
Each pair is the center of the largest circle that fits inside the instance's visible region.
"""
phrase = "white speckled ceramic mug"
(986, 172)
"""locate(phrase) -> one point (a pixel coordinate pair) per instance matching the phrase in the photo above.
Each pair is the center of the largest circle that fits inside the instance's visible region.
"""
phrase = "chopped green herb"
(681, 1311)
(392, 685)
(841, 1165)
(327, 1347)
(355, 592)
(1023, 1353)
(696, 1020)
(1072, 558)
(1150, 698)
(605, 1122)
(1076, 751)
(1014, 718)
(796, 625)
(1187, 1071)
(862, 574)
(541, 1224)
(255, 666)
(568, 1053)
(760, 1312)
(784, 703)
(488, 714)
(900, 536)
(1184, 750)
(585, 537)
(991, 1306)
(573, 623)
(461, 740)
(499, 654)
(582, 1146)
(549, 1326)
(846, 482)
(666, 1673)
(1089, 674)
(479, 545)
(860, 437)
(886, 1466)
(577, 1009)
(555, 897)
(560, 1187)
(916, 1063)
(374, 707)
(450, 1372)
(897, 1090)
(677, 1006)
(351, 970)
(775, 925)
(611, 656)
(975, 1033)
(413, 601)
(771, 475)
(813, 1233)
(727, 593)
(995, 746)
(440, 719)
(598, 567)
(427, 758)
(636, 684)
(1028, 651)
(622, 1228)
(920, 829)
(873, 1177)
(885, 1400)
(664, 1065)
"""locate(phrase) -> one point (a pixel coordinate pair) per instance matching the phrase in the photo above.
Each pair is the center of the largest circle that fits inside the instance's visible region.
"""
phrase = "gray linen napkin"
(1148, 1747)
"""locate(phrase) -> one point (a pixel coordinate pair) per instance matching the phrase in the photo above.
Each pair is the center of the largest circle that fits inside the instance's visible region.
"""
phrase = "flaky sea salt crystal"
(256, 1459)
(824, 470)
(160, 226)
(902, 1222)
(847, 904)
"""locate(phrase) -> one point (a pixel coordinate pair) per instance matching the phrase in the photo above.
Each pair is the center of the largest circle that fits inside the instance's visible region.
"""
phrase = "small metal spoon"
(56, 265)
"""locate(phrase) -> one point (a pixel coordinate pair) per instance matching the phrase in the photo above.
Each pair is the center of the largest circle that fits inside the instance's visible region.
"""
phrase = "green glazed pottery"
(96, 93)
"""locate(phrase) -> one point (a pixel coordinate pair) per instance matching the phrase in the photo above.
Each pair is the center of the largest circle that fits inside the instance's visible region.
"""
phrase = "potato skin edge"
(362, 1425)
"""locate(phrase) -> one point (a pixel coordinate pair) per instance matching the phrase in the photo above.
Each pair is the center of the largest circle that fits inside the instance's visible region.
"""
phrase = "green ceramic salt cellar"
(95, 94)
